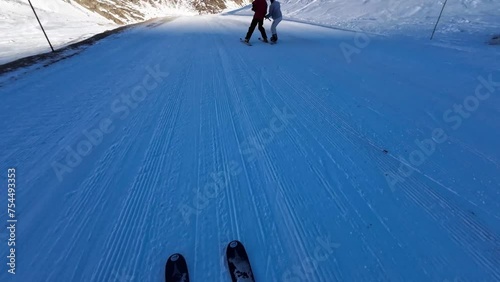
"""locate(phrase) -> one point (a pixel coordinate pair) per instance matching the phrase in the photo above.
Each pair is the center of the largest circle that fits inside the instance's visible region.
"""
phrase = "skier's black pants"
(261, 28)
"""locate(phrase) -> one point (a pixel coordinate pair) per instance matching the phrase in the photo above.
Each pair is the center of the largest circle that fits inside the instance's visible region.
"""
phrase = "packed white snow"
(67, 22)
(333, 155)
(413, 18)
(170, 8)
(64, 22)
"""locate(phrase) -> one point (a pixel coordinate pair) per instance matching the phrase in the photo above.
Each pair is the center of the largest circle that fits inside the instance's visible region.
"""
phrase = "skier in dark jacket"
(260, 9)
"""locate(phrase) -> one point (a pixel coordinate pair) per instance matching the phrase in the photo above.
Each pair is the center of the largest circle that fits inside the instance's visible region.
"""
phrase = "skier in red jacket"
(260, 9)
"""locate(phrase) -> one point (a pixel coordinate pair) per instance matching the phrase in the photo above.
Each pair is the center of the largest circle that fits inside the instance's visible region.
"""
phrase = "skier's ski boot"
(274, 38)
(265, 40)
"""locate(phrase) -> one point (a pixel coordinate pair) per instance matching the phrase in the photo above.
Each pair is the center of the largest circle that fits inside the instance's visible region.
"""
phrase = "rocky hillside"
(126, 11)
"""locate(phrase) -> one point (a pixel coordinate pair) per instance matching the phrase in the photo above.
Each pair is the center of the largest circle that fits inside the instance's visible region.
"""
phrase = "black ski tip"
(246, 43)
(238, 262)
(176, 269)
(270, 42)
(176, 257)
(234, 244)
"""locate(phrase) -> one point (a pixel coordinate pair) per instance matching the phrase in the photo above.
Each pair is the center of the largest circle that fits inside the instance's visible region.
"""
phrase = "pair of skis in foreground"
(250, 44)
(237, 261)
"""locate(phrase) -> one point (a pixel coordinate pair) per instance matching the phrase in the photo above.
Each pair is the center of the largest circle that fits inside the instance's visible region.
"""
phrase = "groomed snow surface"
(66, 22)
(333, 156)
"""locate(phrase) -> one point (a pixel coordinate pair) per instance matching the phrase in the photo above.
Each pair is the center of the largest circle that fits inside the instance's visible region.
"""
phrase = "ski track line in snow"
(466, 231)
(297, 223)
(311, 95)
(225, 208)
(79, 212)
(241, 73)
(92, 189)
(418, 86)
(198, 231)
(233, 93)
(232, 112)
(476, 152)
(283, 200)
(288, 210)
(86, 101)
(253, 132)
(217, 147)
(284, 197)
(332, 142)
(134, 211)
(133, 219)
(96, 176)
(482, 233)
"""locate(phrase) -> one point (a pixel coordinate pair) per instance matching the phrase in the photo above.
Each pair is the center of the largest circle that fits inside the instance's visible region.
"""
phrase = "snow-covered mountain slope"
(327, 166)
(390, 16)
(384, 16)
(65, 22)
(70, 21)
(128, 11)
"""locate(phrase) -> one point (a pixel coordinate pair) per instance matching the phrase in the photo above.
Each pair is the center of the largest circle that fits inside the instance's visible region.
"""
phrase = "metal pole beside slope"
(41, 26)
(439, 18)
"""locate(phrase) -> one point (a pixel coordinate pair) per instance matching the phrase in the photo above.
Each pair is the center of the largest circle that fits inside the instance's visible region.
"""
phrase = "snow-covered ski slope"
(395, 16)
(65, 23)
(413, 18)
(327, 165)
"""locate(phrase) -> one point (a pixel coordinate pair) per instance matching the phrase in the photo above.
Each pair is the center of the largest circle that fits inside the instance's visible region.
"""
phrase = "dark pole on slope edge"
(439, 18)
(41, 25)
